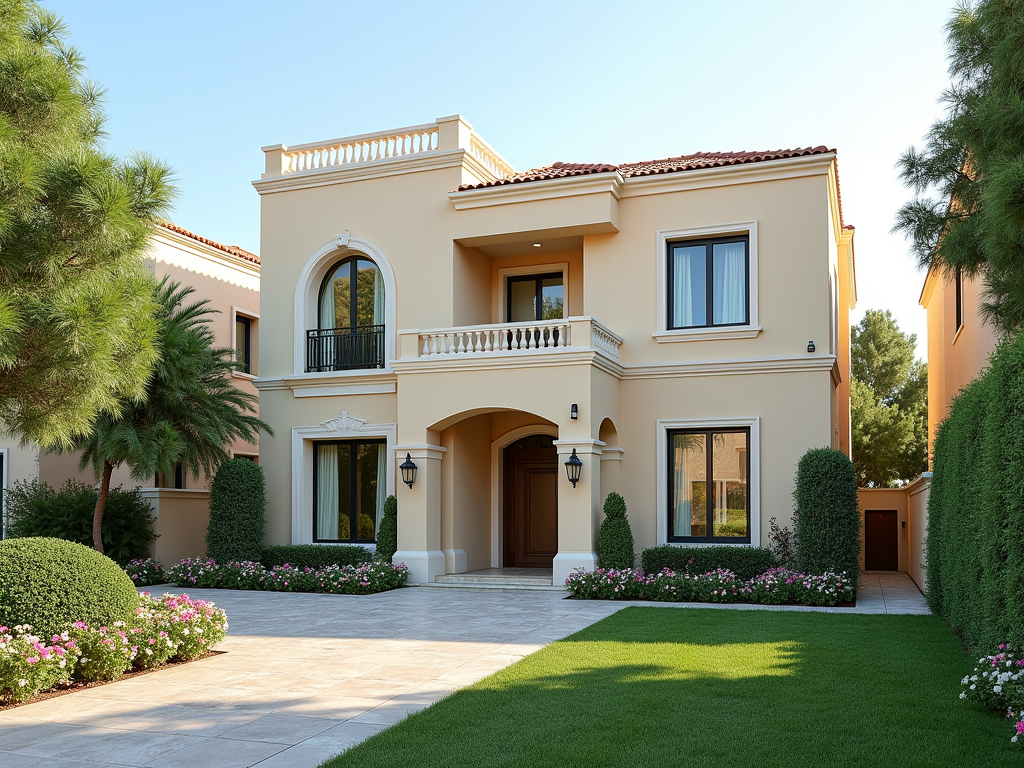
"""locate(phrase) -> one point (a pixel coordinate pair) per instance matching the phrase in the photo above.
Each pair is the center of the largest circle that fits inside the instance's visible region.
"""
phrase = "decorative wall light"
(408, 470)
(574, 412)
(810, 346)
(573, 465)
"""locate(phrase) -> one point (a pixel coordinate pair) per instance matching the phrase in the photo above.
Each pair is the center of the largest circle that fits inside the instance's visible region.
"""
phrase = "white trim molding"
(341, 427)
(307, 290)
(753, 423)
(664, 236)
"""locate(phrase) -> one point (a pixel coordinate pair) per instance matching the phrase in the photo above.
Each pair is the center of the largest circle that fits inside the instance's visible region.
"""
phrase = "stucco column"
(419, 514)
(578, 509)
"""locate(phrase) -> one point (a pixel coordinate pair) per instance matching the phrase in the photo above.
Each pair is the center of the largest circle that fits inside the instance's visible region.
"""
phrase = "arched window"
(350, 318)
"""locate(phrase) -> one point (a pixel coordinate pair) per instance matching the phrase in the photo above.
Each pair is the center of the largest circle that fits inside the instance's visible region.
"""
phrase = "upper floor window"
(350, 332)
(535, 297)
(243, 342)
(959, 280)
(709, 282)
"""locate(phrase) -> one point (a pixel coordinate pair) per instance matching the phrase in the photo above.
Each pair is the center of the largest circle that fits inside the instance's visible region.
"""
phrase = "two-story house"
(678, 330)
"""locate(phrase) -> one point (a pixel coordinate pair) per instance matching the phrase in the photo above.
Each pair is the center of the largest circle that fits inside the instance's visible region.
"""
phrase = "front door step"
(498, 578)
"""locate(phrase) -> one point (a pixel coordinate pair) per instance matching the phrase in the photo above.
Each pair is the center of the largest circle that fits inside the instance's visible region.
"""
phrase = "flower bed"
(170, 628)
(364, 579)
(146, 573)
(778, 586)
(998, 683)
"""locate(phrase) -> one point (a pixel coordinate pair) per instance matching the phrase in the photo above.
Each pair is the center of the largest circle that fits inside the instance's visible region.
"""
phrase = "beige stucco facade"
(452, 396)
(229, 278)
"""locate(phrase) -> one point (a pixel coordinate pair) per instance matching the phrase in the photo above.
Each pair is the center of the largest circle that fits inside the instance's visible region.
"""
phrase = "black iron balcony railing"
(344, 349)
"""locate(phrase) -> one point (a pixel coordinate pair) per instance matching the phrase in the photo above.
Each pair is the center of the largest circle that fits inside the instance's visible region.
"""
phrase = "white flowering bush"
(362, 579)
(29, 664)
(778, 586)
(998, 683)
(149, 633)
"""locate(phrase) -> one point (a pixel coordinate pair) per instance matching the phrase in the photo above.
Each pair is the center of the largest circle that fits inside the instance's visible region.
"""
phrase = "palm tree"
(189, 411)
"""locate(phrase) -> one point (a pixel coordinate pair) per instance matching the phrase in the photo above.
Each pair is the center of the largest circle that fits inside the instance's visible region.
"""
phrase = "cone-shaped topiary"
(50, 583)
(615, 539)
(387, 534)
(238, 501)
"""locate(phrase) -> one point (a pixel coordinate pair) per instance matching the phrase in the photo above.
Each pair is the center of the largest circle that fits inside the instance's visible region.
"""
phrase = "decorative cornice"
(730, 367)
(332, 383)
(549, 189)
(505, 362)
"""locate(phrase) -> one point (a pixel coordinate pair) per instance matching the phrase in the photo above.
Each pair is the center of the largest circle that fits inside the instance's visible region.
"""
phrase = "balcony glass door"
(351, 319)
(535, 297)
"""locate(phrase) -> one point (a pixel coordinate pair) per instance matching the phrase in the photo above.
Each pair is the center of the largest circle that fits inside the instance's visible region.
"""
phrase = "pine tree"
(190, 410)
(77, 325)
(968, 212)
(888, 402)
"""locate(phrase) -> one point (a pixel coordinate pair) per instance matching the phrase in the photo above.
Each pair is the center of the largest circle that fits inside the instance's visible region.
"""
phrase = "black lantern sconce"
(408, 470)
(573, 465)
(810, 346)
(574, 412)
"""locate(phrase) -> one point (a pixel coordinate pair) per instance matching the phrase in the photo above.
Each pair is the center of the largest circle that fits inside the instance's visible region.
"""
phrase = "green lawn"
(715, 689)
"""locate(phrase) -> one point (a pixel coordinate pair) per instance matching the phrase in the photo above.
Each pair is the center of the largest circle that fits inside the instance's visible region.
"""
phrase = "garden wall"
(180, 518)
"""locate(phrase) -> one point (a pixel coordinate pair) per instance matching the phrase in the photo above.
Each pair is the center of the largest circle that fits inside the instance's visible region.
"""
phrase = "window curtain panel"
(325, 347)
(327, 493)
(378, 297)
(382, 485)
(730, 276)
(682, 517)
(682, 286)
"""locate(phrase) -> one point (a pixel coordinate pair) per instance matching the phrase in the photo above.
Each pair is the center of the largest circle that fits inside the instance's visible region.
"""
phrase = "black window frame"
(353, 512)
(247, 347)
(538, 279)
(709, 281)
(353, 305)
(959, 280)
(709, 476)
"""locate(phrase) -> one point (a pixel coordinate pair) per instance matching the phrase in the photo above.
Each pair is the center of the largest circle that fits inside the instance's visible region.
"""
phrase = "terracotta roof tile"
(234, 250)
(692, 162)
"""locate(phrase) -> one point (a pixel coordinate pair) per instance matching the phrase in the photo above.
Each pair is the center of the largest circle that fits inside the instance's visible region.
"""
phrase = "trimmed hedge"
(615, 539)
(49, 583)
(387, 535)
(974, 550)
(37, 510)
(745, 562)
(827, 514)
(314, 555)
(238, 502)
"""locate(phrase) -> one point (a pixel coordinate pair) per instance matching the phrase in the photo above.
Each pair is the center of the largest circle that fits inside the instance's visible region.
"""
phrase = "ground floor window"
(707, 474)
(349, 488)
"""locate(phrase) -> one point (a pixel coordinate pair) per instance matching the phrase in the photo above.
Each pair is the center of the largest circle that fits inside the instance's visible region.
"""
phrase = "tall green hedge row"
(827, 514)
(974, 550)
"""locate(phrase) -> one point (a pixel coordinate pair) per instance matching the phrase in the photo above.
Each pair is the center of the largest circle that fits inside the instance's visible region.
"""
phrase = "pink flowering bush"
(29, 664)
(149, 633)
(106, 652)
(778, 586)
(145, 573)
(363, 579)
(998, 683)
(193, 626)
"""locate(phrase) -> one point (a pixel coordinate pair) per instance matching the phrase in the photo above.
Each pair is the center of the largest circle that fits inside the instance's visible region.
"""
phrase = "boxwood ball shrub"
(827, 514)
(615, 539)
(50, 583)
(238, 502)
(36, 509)
(387, 534)
(745, 562)
(314, 555)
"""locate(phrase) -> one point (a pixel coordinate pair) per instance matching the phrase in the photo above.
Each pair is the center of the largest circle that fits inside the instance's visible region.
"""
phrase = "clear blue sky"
(204, 85)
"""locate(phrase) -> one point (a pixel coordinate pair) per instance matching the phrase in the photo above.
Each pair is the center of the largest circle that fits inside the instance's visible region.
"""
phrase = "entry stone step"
(499, 578)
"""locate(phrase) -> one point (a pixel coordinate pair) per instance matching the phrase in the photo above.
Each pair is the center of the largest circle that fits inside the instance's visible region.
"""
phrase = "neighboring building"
(229, 277)
(680, 326)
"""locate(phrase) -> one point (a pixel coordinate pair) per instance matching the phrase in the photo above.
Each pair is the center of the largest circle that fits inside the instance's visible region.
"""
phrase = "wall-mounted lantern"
(408, 470)
(810, 346)
(574, 412)
(573, 466)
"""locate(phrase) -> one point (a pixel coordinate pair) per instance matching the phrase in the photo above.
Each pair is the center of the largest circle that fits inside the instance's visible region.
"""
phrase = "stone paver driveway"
(307, 676)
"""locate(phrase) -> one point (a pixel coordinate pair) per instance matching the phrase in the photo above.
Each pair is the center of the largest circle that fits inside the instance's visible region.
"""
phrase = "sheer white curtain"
(378, 297)
(327, 305)
(682, 515)
(382, 485)
(327, 492)
(685, 261)
(730, 275)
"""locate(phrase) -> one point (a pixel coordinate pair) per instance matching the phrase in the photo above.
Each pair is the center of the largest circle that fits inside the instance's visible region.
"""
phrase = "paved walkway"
(307, 676)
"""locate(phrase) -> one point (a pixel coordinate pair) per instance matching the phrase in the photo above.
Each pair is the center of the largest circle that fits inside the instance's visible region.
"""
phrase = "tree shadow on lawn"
(715, 688)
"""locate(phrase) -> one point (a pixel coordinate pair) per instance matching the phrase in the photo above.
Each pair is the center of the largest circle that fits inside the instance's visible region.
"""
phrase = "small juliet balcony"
(344, 349)
(501, 343)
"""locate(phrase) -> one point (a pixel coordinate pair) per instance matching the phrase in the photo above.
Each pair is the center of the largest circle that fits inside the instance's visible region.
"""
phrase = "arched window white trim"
(307, 298)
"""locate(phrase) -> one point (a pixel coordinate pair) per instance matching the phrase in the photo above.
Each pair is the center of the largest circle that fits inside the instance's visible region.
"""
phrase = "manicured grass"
(715, 689)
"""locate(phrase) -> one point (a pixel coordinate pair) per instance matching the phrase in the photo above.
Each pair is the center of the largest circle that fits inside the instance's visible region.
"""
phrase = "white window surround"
(341, 428)
(753, 482)
(706, 333)
(307, 295)
(532, 269)
(252, 316)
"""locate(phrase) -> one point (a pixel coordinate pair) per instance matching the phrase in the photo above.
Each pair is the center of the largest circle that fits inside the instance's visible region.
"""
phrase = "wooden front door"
(881, 542)
(531, 503)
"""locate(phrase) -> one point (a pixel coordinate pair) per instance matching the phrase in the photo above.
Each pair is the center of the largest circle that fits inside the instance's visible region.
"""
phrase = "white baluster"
(488, 337)
(426, 348)
(477, 346)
